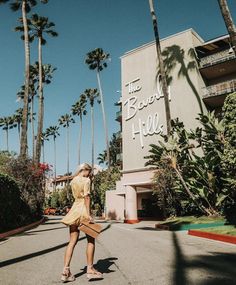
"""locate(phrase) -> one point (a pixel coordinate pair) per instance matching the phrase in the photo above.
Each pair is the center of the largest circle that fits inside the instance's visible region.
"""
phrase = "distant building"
(200, 75)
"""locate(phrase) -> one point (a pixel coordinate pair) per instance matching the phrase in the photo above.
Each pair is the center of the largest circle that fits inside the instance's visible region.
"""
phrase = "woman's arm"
(87, 196)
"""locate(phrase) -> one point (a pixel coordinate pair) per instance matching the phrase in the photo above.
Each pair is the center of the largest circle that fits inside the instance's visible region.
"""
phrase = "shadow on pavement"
(148, 229)
(218, 268)
(102, 265)
(41, 252)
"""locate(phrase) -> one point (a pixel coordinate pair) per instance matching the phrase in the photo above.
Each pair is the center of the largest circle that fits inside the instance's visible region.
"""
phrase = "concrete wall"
(114, 205)
(142, 127)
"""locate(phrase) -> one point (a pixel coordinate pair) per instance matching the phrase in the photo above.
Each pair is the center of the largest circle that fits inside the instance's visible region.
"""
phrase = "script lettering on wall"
(142, 127)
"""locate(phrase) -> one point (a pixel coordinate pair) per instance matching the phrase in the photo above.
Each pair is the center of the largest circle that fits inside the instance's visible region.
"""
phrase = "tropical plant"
(18, 120)
(198, 175)
(65, 121)
(79, 109)
(97, 60)
(91, 95)
(38, 27)
(7, 123)
(162, 76)
(25, 6)
(229, 156)
(53, 131)
(229, 23)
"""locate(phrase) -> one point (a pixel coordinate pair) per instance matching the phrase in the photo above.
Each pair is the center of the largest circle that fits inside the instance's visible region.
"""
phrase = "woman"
(80, 209)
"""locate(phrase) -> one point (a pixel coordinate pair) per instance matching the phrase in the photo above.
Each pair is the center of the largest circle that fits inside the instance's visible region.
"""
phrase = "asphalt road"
(126, 254)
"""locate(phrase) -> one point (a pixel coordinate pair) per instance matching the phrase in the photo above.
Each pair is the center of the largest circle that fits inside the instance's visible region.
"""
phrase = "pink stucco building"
(211, 75)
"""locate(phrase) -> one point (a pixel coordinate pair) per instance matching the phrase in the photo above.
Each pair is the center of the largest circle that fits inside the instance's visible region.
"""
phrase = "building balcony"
(216, 58)
(118, 115)
(218, 64)
(214, 95)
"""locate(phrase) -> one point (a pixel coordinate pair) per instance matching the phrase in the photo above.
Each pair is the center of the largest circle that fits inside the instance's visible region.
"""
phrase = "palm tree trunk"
(228, 22)
(23, 142)
(161, 67)
(7, 140)
(18, 127)
(80, 138)
(32, 126)
(41, 107)
(43, 151)
(55, 162)
(68, 148)
(92, 135)
(104, 118)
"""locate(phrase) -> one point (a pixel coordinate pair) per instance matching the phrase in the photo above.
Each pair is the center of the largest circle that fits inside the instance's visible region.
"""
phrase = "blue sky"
(117, 27)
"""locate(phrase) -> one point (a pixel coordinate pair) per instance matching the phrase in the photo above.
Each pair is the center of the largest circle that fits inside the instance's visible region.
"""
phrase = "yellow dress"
(80, 188)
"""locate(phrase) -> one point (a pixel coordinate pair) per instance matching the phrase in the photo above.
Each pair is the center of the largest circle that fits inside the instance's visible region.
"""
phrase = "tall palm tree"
(79, 109)
(65, 121)
(229, 23)
(53, 131)
(97, 60)
(161, 68)
(91, 95)
(25, 6)
(7, 123)
(39, 27)
(44, 138)
(32, 94)
(18, 119)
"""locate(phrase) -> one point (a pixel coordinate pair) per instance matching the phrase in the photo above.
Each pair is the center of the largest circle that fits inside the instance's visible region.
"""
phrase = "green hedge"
(13, 211)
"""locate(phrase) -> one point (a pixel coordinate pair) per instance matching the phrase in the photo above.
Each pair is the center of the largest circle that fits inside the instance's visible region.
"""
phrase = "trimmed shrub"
(13, 211)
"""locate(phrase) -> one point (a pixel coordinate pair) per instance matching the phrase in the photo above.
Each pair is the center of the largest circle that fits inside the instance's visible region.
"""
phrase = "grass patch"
(223, 230)
(191, 222)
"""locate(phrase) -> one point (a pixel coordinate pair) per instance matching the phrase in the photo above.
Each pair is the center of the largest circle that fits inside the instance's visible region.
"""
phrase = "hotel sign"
(132, 106)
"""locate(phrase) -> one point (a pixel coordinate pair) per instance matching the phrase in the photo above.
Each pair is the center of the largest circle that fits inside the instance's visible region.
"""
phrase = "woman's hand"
(90, 219)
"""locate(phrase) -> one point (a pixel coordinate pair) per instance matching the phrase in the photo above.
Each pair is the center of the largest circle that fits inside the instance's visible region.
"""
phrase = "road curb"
(218, 237)
(21, 229)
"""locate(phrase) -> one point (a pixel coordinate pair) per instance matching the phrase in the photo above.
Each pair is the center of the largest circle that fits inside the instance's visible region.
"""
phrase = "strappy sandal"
(95, 275)
(66, 275)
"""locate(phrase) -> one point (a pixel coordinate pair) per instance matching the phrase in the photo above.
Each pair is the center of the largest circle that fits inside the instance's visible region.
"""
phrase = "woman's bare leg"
(90, 256)
(90, 249)
(74, 235)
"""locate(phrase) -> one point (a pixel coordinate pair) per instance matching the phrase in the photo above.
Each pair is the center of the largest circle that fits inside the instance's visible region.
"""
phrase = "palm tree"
(44, 138)
(39, 27)
(161, 68)
(97, 60)
(7, 123)
(25, 6)
(65, 121)
(18, 119)
(91, 95)
(53, 131)
(229, 23)
(79, 109)
(32, 94)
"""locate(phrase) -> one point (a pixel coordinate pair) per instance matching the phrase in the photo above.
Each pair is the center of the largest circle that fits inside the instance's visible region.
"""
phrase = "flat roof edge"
(163, 39)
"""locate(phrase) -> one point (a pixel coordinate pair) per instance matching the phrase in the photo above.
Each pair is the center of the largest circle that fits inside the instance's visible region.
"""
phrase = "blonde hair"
(83, 166)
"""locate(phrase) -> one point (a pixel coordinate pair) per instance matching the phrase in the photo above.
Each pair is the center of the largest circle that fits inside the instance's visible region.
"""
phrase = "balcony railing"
(216, 58)
(220, 88)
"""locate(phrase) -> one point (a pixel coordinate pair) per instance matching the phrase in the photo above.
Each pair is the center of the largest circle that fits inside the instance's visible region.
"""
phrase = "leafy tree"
(229, 156)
